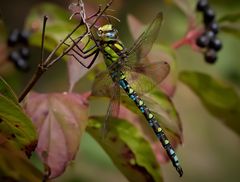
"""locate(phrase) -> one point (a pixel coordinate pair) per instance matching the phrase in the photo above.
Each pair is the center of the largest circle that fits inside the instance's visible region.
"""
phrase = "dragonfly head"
(107, 33)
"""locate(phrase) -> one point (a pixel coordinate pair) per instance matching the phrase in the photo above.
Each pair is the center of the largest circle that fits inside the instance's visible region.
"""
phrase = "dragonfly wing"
(144, 43)
(157, 71)
(144, 77)
(104, 86)
(113, 109)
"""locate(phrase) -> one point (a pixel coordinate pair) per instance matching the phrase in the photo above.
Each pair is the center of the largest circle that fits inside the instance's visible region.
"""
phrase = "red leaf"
(60, 120)
(75, 72)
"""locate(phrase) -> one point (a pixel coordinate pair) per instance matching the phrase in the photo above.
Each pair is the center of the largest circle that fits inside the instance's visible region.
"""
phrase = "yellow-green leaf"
(14, 166)
(16, 126)
(6, 90)
(58, 26)
(128, 149)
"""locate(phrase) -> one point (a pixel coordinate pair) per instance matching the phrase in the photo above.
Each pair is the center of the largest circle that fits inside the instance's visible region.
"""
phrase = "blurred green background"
(210, 151)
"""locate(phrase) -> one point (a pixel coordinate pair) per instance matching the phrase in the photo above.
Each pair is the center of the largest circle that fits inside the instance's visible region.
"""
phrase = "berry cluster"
(208, 39)
(19, 54)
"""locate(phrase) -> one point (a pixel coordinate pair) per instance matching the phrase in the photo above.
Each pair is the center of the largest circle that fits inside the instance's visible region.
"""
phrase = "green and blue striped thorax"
(111, 46)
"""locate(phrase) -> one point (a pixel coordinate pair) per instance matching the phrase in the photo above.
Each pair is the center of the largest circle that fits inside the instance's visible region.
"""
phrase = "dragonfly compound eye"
(111, 35)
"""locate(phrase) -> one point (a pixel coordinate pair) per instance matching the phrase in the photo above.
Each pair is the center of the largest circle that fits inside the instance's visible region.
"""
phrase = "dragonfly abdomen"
(152, 122)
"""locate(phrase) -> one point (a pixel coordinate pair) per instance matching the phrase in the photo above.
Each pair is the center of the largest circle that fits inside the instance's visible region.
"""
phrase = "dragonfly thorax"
(107, 33)
(111, 47)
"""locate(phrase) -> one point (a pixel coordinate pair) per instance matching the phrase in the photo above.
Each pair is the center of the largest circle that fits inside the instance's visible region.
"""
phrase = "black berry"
(213, 26)
(23, 37)
(18, 61)
(215, 44)
(13, 38)
(14, 55)
(210, 56)
(209, 34)
(21, 64)
(209, 16)
(202, 41)
(202, 5)
(24, 52)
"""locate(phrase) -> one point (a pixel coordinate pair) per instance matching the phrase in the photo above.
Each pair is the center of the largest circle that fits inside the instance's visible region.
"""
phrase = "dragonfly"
(125, 66)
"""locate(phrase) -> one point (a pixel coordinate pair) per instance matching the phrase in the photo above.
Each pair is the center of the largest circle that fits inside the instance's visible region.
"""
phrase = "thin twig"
(34, 79)
(43, 37)
(80, 38)
(44, 65)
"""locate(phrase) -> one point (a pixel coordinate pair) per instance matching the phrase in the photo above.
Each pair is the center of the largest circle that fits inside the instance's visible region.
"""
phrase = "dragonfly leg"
(84, 56)
(79, 51)
(95, 53)
(88, 41)
(82, 49)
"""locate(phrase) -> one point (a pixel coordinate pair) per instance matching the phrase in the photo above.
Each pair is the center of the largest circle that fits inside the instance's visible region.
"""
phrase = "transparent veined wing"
(144, 43)
(144, 77)
(104, 86)
(113, 108)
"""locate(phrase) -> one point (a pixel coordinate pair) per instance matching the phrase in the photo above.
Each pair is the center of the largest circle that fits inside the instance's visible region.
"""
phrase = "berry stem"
(188, 39)
(32, 82)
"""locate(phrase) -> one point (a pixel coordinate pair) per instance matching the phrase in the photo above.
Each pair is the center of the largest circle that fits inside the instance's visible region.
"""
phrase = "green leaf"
(14, 166)
(221, 100)
(128, 149)
(230, 23)
(58, 26)
(16, 126)
(6, 90)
